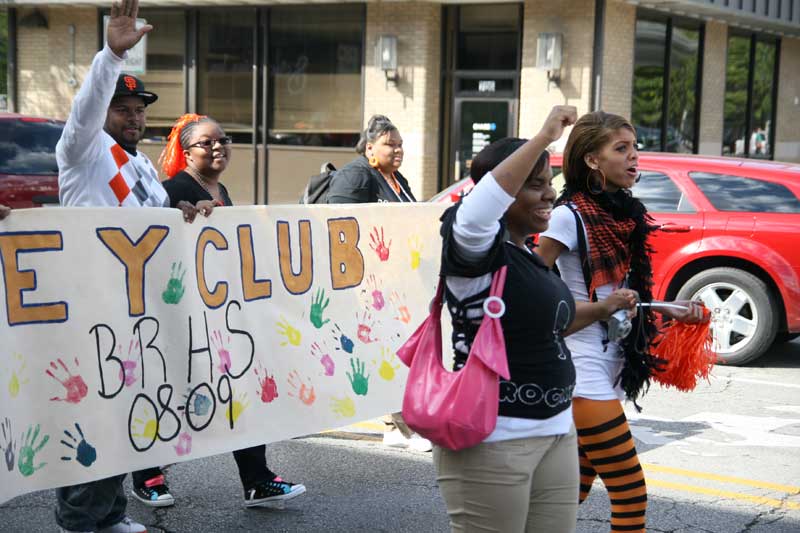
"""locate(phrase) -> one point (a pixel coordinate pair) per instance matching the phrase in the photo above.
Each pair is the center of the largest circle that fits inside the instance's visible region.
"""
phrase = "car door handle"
(675, 228)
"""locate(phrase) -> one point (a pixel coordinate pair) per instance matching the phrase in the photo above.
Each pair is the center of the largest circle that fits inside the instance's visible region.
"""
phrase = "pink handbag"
(456, 410)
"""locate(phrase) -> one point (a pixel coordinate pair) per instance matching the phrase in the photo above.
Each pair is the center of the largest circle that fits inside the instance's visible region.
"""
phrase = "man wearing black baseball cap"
(99, 166)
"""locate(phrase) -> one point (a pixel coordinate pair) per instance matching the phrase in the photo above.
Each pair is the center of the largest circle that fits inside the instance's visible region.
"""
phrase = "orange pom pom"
(688, 352)
(171, 159)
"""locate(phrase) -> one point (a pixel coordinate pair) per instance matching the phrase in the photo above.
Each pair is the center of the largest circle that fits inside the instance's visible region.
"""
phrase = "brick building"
(293, 83)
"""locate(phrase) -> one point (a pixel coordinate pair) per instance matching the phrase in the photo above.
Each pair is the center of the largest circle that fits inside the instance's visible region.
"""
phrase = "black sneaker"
(276, 490)
(155, 495)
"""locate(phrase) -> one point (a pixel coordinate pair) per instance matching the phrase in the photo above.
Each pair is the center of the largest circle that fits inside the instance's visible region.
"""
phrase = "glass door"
(477, 124)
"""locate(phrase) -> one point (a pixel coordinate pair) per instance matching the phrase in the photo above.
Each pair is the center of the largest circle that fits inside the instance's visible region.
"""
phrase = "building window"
(488, 37)
(3, 59)
(226, 44)
(750, 86)
(315, 57)
(666, 83)
(164, 74)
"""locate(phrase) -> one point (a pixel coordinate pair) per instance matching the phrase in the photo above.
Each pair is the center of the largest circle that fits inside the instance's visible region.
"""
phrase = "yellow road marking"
(725, 479)
(761, 500)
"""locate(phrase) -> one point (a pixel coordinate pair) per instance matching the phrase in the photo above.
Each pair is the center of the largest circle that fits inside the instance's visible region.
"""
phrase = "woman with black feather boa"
(610, 252)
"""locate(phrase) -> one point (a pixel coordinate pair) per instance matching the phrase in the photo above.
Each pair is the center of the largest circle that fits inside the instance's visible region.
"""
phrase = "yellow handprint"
(239, 405)
(146, 428)
(343, 407)
(386, 370)
(18, 376)
(415, 246)
(292, 335)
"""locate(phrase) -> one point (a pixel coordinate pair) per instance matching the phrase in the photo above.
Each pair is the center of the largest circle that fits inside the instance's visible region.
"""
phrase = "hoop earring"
(373, 162)
(602, 186)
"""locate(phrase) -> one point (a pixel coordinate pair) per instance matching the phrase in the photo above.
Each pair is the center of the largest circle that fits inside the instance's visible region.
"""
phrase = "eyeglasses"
(206, 144)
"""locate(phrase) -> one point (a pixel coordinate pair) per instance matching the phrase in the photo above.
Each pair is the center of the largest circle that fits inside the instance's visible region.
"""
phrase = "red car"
(28, 170)
(728, 235)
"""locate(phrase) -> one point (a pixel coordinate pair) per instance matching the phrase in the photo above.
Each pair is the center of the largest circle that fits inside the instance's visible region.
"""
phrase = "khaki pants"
(528, 485)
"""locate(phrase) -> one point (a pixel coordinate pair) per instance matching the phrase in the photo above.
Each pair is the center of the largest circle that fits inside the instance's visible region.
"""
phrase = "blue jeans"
(92, 505)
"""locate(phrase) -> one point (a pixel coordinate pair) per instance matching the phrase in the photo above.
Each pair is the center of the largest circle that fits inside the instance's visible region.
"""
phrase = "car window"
(660, 194)
(29, 147)
(737, 193)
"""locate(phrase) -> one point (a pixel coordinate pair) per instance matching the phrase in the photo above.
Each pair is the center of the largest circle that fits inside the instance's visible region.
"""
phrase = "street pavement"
(722, 459)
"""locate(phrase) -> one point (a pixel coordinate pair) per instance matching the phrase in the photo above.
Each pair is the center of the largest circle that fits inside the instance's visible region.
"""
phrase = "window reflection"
(315, 56)
(648, 83)
(165, 58)
(654, 40)
(659, 194)
(225, 73)
(761, 116)
(737, 193)
(736, 76)
(684, 56)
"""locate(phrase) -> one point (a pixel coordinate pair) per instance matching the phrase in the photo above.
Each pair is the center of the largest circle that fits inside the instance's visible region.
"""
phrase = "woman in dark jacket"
(373, 176)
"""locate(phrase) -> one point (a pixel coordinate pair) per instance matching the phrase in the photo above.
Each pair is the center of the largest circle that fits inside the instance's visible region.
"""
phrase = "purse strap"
(495, 289)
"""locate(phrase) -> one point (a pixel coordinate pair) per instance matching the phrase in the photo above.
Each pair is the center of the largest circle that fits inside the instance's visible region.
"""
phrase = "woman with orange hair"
(196, 155)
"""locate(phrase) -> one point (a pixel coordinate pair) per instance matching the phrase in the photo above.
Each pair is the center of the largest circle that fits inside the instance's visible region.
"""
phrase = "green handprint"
(27, 451)
(358, 380)
(318, 307)
(175, 289)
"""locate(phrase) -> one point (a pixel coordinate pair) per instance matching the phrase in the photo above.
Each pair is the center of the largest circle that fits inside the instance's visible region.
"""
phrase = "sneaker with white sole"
(395, 439)
(420, 444)
(154, 493)
(276, 490)
(126, 525)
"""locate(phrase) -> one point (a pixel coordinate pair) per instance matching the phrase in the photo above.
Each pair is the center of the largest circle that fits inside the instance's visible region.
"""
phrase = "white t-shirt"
(93, 170)
(474, 231)
(596, 365)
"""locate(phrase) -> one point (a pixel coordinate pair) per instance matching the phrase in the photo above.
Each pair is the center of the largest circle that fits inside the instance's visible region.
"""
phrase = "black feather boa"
(640, 364)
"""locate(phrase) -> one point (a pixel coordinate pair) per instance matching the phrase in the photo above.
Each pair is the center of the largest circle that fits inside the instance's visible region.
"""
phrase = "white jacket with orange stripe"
(93, 170)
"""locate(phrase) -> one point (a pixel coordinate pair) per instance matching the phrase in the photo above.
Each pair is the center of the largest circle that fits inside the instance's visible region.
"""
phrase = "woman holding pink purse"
(524, 475)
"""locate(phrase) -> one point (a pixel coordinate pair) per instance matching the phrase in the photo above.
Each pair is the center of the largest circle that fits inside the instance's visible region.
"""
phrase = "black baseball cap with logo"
(128, 85)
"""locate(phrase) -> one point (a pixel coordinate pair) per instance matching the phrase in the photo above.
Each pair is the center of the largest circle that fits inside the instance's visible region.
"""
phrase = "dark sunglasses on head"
(208, 143)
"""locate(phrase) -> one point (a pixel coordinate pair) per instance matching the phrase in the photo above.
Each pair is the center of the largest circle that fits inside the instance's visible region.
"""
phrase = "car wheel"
(744, 318)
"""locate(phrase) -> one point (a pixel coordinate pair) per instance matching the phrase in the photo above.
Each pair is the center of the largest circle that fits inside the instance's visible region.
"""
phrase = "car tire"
(745, 316)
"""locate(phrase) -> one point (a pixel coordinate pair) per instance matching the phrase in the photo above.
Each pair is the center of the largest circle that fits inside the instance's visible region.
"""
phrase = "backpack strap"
(583, 251)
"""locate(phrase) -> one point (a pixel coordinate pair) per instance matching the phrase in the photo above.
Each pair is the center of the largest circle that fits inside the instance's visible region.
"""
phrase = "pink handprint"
(304, 392)
(374, 286)
(222, 352)
(76, 387)
(365, 325)
(268, 388)
(379, 245)
(324, 358)
(127, 373)
(184, 446)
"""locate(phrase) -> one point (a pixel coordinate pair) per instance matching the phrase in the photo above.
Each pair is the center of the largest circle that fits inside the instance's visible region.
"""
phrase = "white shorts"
(595, 378)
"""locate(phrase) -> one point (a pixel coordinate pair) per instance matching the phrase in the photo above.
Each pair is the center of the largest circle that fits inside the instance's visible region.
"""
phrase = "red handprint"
(379, 245)
(365, 325)
(268, 386)
(76, 387)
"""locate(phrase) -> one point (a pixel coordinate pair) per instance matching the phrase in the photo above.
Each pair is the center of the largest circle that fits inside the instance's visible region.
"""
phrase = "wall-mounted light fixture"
(548, 56)
(386, 56)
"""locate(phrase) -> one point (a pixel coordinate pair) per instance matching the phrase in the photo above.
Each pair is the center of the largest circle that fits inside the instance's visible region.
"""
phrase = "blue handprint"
(200, 405)
(27, 451)
(344, 341)
(85, 452)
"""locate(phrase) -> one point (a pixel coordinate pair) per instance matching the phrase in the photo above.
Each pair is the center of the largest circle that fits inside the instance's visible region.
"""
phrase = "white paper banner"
(132, 339)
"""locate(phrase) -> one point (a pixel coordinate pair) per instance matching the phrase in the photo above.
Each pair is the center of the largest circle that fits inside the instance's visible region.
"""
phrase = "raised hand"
(559, 118)
(122, 34)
